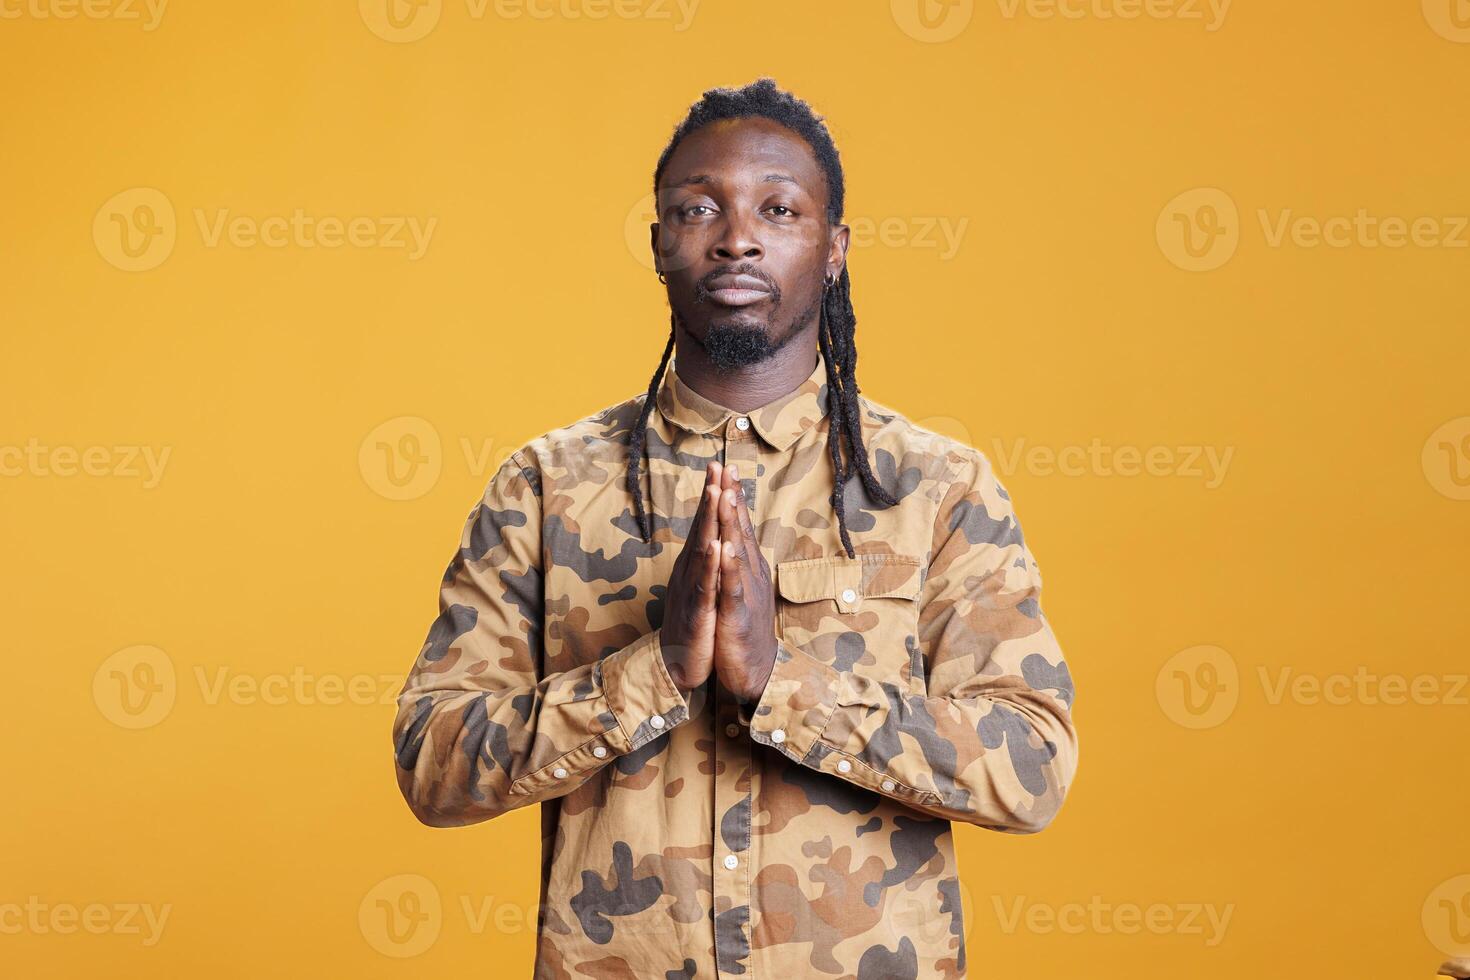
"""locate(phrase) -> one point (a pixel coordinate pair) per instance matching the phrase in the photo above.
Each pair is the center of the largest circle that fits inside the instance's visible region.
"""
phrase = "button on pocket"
(857, 614)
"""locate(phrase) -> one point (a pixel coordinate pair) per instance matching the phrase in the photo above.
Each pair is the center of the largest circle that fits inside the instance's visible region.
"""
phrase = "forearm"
(1000, 756)
(466, 754)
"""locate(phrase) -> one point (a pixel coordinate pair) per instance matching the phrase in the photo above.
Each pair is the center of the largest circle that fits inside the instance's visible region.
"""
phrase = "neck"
(752, 386)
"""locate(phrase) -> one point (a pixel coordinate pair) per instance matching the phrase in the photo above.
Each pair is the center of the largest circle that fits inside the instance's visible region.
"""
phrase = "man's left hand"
(745, 631)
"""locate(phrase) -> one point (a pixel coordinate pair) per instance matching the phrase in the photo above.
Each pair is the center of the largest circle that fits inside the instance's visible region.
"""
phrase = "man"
(749, 704)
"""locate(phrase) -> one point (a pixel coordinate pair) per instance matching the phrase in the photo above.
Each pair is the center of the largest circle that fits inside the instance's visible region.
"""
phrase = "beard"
(736, 343)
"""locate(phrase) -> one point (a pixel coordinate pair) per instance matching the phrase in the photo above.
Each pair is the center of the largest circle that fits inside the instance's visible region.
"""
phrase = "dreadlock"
(837, 326)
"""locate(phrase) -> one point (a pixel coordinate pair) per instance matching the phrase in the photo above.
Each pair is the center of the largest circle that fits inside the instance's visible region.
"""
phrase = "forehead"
(745, 151)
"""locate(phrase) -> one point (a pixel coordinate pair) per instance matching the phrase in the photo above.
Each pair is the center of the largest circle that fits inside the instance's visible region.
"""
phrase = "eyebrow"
(709, 179)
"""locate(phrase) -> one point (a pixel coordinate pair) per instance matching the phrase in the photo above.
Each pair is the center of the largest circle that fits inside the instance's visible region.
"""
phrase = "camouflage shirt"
(807, 835)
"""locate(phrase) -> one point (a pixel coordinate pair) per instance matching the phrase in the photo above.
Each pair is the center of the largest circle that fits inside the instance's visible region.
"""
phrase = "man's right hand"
(687, 636)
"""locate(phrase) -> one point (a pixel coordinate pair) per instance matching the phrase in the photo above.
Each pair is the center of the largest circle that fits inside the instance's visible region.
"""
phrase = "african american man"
(751, 640)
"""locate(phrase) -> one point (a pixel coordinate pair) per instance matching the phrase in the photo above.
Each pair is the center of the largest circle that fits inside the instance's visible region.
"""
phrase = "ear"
(658, 265)
(838, 241)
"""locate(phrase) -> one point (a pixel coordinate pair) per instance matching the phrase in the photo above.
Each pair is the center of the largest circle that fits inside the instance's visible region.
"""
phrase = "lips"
(738, 290)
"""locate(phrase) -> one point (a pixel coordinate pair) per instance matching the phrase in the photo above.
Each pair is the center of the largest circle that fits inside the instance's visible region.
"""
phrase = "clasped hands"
(720, 612)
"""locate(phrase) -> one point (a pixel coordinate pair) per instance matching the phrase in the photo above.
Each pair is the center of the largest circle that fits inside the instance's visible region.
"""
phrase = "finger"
(732, 582)
(747, 526)
(732, 503)
(700, 526)
(730, 476)
(709, 574)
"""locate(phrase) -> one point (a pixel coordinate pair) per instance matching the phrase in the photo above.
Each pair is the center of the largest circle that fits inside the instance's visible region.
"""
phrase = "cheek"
(679, 251)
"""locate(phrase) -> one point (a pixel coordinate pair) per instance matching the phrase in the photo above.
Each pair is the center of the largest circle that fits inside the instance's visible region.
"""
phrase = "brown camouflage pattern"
(807, 835)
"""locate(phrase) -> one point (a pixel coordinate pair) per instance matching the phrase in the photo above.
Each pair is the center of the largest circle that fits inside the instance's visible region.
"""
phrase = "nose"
(737, 240)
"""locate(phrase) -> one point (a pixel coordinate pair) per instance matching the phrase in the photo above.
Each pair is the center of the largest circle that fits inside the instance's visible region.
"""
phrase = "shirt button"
(848, 595)
(742, 423)
(778, 736)
(844, 766)
(732, 862)
(600, 751)
(888, 786)
(732, 730)
(657, 721)
(559, 772)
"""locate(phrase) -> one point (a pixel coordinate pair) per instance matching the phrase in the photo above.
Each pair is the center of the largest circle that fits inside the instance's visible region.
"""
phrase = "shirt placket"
(732, 871)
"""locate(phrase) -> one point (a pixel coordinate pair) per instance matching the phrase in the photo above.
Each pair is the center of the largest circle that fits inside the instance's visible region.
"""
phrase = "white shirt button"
(732, 862)
(559, 772)
(844, 766)
(657, 721)
(600, 751)
(732, 730)
(888, 785)
(778, 736)
(848, 595)
(742, 423)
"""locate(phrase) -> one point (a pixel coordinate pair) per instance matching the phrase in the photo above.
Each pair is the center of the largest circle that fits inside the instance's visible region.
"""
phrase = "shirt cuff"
(639, 691)
(797, 703)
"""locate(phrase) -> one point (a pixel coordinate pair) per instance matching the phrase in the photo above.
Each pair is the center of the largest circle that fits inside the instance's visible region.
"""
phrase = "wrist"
(674, 664)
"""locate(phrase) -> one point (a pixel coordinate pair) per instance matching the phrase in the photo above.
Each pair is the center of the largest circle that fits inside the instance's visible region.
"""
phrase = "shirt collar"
(778, 422)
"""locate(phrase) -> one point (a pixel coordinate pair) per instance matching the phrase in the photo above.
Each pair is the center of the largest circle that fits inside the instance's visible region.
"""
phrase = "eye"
(689, 211)
(782, 207)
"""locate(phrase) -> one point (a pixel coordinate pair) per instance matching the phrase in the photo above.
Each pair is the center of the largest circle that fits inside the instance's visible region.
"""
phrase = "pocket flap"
(848, 581)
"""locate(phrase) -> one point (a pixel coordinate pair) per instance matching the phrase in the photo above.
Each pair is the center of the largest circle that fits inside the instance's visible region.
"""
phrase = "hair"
(837, 325)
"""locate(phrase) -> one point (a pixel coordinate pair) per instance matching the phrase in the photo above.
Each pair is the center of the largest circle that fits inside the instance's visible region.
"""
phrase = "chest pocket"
(857, 614)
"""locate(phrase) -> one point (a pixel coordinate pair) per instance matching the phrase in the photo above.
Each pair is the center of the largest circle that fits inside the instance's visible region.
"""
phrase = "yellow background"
(270, 548)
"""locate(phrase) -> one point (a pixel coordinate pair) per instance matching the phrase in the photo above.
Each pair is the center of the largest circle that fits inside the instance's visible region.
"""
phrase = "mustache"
(701, 288)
